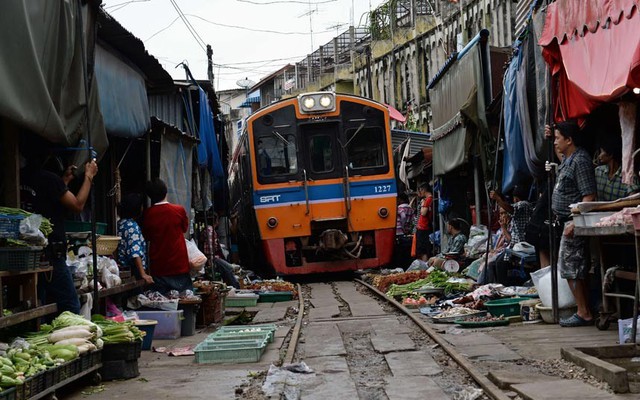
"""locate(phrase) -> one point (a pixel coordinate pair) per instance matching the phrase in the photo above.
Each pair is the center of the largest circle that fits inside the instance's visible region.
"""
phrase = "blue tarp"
(514, 167)
(208, 147)
(123, 96)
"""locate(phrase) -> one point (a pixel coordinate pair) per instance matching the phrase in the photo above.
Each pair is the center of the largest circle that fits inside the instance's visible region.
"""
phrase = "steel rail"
(489, 387)
(293, 342)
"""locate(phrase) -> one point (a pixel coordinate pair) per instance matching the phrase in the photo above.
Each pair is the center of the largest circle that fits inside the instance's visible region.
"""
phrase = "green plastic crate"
(241, 301)
(275, 297)
(241, 351)
(506, 307)
(236, 328)
(79, 226)
(225, 336)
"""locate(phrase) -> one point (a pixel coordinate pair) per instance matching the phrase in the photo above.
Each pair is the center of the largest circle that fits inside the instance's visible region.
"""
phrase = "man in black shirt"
(46, 193)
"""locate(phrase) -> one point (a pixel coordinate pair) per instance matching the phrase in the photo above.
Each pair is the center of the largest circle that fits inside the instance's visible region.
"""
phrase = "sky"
(250, 38)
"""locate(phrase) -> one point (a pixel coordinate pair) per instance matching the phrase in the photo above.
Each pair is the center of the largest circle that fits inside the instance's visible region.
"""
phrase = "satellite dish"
(245, 83)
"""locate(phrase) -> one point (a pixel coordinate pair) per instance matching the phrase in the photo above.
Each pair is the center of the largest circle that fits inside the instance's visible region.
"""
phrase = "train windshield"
(276, 155)
(321, 153)
(365, 147)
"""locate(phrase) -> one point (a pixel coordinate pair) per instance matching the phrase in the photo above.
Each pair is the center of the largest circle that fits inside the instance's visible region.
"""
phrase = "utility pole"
(210, 64)
(369, 78)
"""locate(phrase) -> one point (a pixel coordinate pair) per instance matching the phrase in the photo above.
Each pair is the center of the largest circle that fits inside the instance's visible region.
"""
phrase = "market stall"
(618, 243)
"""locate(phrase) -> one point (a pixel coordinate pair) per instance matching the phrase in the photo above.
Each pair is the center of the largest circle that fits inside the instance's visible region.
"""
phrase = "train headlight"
(272, 222)
(309, 103)
(317, 102)
(326, 101)
(383, 212)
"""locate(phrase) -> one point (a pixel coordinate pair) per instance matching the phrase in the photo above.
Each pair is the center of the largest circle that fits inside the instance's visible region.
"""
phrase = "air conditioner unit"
(235, 114)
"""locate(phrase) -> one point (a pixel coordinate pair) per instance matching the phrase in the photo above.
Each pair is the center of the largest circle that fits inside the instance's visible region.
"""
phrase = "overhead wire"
(197, 38)
(255, 30)
(266, 3)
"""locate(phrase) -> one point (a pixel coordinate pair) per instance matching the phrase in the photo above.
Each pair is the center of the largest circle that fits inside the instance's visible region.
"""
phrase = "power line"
(266, 3)
(254, 30)
(264, 61)
(123, 4)
(188, 22)
(189, 28)
(230, 26)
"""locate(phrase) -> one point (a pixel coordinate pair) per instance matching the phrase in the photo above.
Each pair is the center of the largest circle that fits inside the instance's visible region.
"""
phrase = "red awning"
(593, 50)
(395, 114)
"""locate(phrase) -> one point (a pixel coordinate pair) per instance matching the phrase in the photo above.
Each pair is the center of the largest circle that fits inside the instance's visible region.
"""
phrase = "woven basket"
(107, 245)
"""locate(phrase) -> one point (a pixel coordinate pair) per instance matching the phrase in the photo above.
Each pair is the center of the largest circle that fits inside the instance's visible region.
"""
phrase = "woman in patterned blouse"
(132, 250)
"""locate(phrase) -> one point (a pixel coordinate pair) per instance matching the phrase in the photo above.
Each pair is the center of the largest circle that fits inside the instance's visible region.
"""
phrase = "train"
(313, 186)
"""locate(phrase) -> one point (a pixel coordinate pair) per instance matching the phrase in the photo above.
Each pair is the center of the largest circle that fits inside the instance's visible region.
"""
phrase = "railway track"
(361, 344)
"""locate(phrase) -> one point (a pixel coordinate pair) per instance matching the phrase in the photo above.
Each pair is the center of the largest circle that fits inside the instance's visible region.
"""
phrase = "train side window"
(276, 155)
(367, 148)
(321, 153)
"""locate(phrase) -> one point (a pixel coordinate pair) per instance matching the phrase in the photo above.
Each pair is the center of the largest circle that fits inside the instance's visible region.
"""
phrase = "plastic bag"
(197, 259)
(30, 230)
(542, 281)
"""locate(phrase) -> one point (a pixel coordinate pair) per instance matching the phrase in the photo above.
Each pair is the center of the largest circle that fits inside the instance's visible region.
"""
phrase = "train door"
(323, 166)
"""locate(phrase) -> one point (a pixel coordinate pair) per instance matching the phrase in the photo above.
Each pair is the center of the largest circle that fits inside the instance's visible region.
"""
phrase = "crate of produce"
(505, 307)
(9, 394)
(212, 308)
(242, 300)
(31, 386)
(169, 323)
(274, 297)
(10, 226)
(119, 369)
(122, 351)
(20, 258)
(240, 335)
(67, 370)
(241, 351)
(90, 359)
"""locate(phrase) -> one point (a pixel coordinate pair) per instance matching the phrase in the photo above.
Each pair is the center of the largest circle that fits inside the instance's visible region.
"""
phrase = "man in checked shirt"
(575, 182)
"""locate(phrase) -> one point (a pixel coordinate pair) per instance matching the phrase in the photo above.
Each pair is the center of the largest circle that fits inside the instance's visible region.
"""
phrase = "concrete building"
(411, 45)
(234, 114)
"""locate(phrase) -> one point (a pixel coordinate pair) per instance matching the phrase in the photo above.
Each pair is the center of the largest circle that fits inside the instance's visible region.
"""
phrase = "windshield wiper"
(353, 137)
(279, 136)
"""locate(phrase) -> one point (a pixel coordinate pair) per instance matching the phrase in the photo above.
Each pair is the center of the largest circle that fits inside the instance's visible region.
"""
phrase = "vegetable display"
(46, 227)
(437, 279)
(118, 332)
(383, 282)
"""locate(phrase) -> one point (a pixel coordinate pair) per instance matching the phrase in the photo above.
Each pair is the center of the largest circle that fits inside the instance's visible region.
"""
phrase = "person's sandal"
(575, 320)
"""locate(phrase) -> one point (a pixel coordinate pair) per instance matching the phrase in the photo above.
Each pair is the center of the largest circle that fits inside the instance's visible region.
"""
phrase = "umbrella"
(395, 114)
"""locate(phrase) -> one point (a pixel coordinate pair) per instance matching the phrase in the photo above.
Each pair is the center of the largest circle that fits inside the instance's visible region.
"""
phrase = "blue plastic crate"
(10, 226)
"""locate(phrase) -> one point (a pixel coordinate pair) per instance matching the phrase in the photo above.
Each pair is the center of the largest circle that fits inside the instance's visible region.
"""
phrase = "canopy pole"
(476, 188)
(493, 186)
(551, 217)
(92, 194)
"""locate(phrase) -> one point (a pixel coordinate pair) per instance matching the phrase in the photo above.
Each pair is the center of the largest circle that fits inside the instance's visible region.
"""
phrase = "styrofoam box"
(169, 323)
(592, 218)
(624, 330)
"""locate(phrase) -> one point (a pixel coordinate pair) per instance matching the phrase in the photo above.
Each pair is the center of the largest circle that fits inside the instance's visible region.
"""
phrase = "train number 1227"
(382, 188)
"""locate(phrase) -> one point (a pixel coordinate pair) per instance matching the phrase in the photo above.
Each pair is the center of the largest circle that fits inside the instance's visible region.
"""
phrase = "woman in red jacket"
(164, 226)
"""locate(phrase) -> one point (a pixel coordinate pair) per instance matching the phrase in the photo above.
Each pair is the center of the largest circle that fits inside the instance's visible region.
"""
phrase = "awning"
(249, 101)
(396, 115)
(41, 72)
(593, 51)
(458, 97)
(123, 96)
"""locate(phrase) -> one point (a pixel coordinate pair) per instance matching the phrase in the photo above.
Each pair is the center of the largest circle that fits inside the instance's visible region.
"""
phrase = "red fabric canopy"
(593, 50)
(395, 114)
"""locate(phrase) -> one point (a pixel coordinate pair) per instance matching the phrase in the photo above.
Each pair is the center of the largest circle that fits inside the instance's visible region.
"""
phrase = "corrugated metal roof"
(419, 140)
(115, 35)
(169, 109)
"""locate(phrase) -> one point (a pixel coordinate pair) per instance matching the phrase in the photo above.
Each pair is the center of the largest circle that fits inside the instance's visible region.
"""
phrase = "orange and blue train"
(313, 184)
